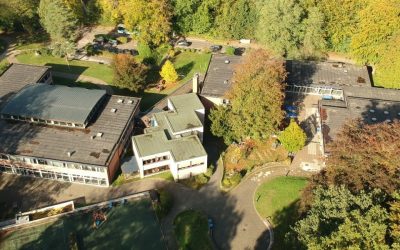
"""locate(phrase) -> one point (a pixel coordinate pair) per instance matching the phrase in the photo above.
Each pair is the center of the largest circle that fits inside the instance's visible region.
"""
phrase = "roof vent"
(69, 153)
(226, 82)
(345, 71)
(92, 137)
(130, 101)
(386, 112)
(373, 119)
(227, 61)
(99, 134)
(120, 101)
(113, 110)
(372, 111)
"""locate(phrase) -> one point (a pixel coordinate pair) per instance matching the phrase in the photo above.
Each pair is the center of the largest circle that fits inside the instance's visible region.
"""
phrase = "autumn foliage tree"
(256, 99)
(128, 73)
(293, 137)
(168, 72)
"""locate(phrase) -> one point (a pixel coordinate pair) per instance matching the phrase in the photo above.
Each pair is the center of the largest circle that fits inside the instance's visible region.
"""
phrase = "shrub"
(201, 179)
(171, 53)
(144, 50)
(168, 72)
(231, 180)
(122, 39)
(164, 206)
(230, 50)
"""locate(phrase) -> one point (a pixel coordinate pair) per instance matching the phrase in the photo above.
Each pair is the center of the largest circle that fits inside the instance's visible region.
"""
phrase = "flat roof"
(49, 142)
(371, 105)
(336, 74)
(54, 102)
(186, 101)
(219, 75)
(183, 148)
(17, 76)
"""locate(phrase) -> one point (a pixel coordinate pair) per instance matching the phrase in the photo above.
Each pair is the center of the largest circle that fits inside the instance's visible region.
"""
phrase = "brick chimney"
(196, 86)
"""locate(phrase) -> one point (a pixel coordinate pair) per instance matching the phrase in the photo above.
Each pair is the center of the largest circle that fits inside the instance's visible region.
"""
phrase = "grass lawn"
(3, 46)
(278, 199)
(76, 67)
(129, 226)
(191, 230)
(3, 65)
(120, 180)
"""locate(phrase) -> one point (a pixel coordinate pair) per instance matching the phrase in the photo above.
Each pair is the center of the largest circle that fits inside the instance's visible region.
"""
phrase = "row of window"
(190, 166)
(157, 159)
(41, 121)
(53, 175)
(53, 163)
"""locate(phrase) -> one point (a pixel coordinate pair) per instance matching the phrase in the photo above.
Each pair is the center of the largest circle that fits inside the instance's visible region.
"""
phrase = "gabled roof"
(54, 102)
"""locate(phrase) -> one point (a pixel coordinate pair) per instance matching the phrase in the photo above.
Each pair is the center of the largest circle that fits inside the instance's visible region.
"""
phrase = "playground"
(130, 224)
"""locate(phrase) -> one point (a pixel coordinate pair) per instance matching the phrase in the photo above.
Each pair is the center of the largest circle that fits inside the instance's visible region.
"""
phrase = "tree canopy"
(293, 137)
(168, 72)
(256, 99)
(128, 73)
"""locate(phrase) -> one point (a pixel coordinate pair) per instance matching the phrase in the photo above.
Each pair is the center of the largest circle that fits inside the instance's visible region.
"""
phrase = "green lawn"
(191, 231)
(277, 200)
(189, 63)
(76, 67)
(72, 83)
(3, 65)
(129, 226)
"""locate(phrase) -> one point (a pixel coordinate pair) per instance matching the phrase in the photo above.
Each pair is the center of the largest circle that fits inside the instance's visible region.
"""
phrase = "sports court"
(132, 225)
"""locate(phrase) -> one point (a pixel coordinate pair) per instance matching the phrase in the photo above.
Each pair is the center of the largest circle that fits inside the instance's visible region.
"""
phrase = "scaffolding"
(334, 93)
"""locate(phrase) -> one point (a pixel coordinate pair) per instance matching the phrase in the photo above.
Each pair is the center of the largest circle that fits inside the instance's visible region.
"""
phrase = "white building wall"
(184, 172)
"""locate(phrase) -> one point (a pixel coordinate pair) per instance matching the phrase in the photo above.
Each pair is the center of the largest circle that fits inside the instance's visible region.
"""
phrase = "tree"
(184, 14)
(19, 15)
(339, 219)
(204, 17)
(374, 31)
(150, 19)
(394, 218)
(362, 157)
(127, 73)
(387, 70)
(314, 42)
(58, 20)
(280, 26)
(168, 72)
(256, 98)
(236, 19)
(293, 137)
(341, 18)
(220, 125)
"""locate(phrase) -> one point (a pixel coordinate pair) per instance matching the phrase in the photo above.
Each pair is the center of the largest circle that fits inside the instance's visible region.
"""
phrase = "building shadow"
(72, 70)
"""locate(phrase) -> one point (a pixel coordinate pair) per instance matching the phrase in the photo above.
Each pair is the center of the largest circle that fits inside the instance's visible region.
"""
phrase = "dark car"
(215, 48)
(134, 52)
(183, 43)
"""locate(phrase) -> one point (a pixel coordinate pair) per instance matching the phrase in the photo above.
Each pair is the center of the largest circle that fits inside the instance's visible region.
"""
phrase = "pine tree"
(293, 137)
(168, 72)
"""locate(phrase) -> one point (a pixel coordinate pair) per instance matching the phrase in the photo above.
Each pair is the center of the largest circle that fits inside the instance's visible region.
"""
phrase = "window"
(42, 162)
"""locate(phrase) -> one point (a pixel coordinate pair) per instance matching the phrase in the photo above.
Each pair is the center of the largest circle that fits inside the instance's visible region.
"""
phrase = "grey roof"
(186, 101)
(183, 148)
(54, 102)
(328, 73)
(20, 138)
(371, 105)
(19, 75)
(218, 73)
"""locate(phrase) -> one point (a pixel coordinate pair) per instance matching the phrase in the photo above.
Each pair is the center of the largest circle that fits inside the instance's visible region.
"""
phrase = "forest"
(365, 30)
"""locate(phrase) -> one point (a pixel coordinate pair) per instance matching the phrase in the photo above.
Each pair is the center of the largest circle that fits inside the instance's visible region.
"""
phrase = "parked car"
(183, 43)
(122, 30)
(134, 52)
(215, 48)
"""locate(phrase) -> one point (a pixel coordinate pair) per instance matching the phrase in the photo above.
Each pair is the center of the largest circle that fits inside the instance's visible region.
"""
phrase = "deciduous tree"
(375, 30)
(387, 70)
(58, 20)
(128, 73)
(339, 219)
(255, 98)
(168, 72)
(293, 137)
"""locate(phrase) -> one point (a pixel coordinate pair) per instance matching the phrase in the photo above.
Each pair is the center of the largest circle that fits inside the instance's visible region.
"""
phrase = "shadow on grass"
(185, 69)
(282, 221)
(72, 83)
(64, 68)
